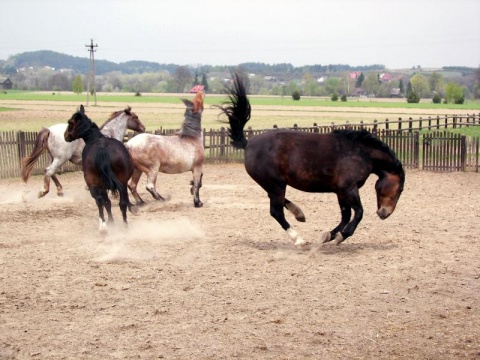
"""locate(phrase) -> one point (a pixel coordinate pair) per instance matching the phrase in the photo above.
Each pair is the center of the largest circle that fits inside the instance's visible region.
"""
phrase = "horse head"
(80, 126)
(389, 187)
(134, 122)
(198, 102)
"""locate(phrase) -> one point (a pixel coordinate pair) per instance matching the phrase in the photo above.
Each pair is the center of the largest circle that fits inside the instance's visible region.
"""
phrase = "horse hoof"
(42, 194)
(60, 193)
(199, 204)
(338, 239)
(326, 237)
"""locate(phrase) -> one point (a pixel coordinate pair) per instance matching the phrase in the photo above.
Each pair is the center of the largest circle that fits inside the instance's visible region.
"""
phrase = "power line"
(91, 71)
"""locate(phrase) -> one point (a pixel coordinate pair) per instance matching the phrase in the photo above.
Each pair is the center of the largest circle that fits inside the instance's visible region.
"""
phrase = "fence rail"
(435, 150)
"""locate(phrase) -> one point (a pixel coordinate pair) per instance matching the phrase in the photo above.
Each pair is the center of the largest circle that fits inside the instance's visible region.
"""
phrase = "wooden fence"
(434, 150)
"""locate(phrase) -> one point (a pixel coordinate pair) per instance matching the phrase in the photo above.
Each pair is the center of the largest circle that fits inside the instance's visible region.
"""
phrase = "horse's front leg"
(346, 214)
(196, 185)
(58, 185)
(346, 228)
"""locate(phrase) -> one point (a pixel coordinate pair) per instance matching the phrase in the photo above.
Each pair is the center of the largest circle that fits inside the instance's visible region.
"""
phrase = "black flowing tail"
(238, 110)
(103, 164)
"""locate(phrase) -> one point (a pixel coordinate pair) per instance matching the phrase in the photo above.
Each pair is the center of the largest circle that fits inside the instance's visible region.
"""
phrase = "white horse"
(52, 139)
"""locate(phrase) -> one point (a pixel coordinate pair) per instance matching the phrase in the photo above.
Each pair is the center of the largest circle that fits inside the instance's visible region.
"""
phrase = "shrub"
(459, 100)
(335, 97)
(138, 93)
(344, 98)
(437, 99)
(413, 98)
(296, 95)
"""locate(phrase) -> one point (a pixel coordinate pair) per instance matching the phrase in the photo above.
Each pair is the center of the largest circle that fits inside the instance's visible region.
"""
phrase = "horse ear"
(187, 103)
(82, 110)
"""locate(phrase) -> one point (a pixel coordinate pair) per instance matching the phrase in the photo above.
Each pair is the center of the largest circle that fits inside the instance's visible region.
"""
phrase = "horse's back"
(172, 154)
(306, 161)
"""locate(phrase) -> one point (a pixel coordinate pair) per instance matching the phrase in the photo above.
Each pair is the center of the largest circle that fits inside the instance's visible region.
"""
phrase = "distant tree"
(413, 97)
(296, 95)
(77, 85)
(371, 83)
(332, 85)
(195, 80)
(359, 80)
(182, 78)
(344, 98)
(454, 93)
(420, 85)
(476, 86)
(310, 85)
(437, 99)
(334, 97)
(400, 86)
(409, 88)
(204, 82)
(436, 82)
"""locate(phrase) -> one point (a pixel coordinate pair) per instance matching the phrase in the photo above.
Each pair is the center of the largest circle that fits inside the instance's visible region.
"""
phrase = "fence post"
(375, 126)
(420, 123)
(222, 142)
(410, 125)
(21, 145)
(386, 124)
(463, 147)
(429, 123)
(416, 150)
(454, 121)
(446, 121)
(438, 122)
(399, 124)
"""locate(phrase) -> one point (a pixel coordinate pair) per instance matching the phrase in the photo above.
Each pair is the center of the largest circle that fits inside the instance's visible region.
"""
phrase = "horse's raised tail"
(238, 110)
(38, 149)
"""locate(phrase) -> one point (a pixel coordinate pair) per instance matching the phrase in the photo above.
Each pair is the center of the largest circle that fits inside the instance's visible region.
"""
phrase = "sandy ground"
(224, 281)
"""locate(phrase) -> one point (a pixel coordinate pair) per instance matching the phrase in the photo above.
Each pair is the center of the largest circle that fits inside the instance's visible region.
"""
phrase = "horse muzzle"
(384, 212)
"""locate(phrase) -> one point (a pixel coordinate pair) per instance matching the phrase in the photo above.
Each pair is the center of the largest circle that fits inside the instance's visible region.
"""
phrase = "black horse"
(106, 165)
(338, 162)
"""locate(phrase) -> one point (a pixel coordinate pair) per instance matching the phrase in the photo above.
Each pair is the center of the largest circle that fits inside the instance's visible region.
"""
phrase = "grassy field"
(30, 111)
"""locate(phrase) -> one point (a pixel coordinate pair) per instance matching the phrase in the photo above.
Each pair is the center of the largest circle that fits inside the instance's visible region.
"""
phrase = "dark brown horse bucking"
(106, 165)
(174, 154)
(338, 162)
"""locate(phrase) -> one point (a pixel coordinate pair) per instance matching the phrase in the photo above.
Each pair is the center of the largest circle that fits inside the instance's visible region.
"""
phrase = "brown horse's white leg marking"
(102, 226)
(296, 238)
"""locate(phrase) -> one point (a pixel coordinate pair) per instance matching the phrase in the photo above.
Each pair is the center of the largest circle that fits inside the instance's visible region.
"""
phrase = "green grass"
(212, 99)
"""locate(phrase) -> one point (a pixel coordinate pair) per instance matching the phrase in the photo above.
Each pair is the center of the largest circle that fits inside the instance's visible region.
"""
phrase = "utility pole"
(91, 71)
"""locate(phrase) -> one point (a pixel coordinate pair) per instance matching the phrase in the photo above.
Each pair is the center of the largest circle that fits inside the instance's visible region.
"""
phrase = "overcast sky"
(397, 34)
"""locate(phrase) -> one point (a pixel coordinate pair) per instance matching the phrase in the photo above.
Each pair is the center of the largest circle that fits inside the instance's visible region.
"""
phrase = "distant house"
(5, 83)
(196, 89)
(354, 74)
(385, 77)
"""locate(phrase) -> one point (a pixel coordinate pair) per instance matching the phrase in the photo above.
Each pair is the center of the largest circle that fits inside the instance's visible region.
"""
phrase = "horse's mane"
(116, 114)
(191, 126)
(367, 138)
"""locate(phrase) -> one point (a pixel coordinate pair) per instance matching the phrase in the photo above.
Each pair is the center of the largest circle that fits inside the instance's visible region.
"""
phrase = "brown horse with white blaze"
(174, 154)
(339, 162)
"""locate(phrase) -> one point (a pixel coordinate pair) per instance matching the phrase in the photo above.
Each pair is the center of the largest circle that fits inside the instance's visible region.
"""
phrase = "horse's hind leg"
(50, 174)
(277, 202)
(123, 204)
(99, 200)
(196, 185)
(295, 210)
(132, 185)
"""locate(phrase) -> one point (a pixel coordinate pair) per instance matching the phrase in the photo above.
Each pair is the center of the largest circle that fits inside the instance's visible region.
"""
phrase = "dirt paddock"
(224, 281)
